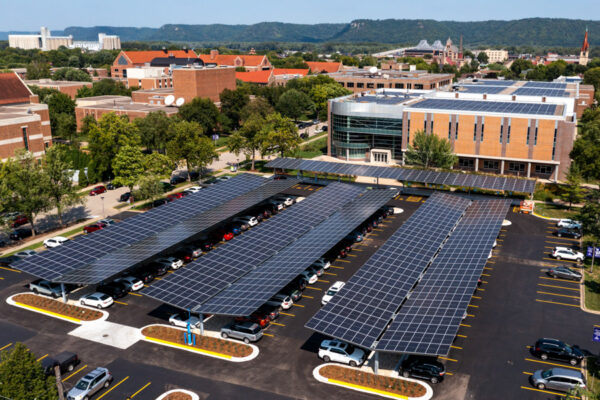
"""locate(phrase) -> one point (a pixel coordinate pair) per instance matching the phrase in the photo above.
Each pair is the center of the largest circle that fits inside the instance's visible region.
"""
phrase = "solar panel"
(362, 310)
(484, 106)
(157, 243)
(529, 91)
(429, 320)
(255, 288)
(83, 250)
(215, 271)
(488, 89)
(547, 85)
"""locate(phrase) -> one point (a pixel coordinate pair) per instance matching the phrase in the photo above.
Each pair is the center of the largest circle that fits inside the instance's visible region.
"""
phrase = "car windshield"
(331, 292)
(104, 297)
(568, 348)
(82, 385)
(256, 329)
(547, 374)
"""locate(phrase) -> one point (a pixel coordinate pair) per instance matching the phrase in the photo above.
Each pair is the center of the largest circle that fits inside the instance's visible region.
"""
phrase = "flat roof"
(47, 82)
(125, 106)
(389, 74)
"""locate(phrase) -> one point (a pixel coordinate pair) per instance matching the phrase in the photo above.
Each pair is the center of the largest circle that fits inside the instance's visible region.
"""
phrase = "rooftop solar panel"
(488, 89)
(83, 250)
(429, 320)
(484, 106)
(547, 85)
(362, 310)
(529, 91)
(254, 289)
(217, 270)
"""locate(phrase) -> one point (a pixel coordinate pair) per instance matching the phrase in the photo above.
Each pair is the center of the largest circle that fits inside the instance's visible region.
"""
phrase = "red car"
(175, 196)
(258, 318)
(93, 227)
(227, 236)
(98, 190)
(19, 220)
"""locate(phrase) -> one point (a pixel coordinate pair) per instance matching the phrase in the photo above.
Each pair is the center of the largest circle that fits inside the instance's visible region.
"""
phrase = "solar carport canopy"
(222, 267)
(365, 306)
(408, 174)
(92, 258)
(429, 320)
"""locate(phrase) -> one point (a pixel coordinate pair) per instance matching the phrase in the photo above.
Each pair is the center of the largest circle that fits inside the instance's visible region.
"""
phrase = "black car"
(557, 350)
(427, 368)
(20, 234)
(159, 202)
(566, 232)
(66, 360)
(125, 197)
(177, 179)
(6, 261)
(158, 269)
(144, 275)
(205, 245)
(110, 186)
(3, 243)
(298, 283)
(292, 291)
(115, 290)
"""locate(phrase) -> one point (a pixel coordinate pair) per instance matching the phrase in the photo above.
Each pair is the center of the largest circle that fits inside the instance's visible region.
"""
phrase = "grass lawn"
(592, 289)
(593, 374)
(555, 210)
(39, 244)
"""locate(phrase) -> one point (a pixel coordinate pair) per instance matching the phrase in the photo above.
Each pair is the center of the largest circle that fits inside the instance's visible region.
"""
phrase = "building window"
(456, 131)
(554, 142)
(490, 164)
(544, 169)
(482, 128)
(535, 134)
(528, 131)
(449, 130)
(360, 85)
(508, 132)
(425, 125)
(466, 163)
(516, 167)
(501, 131)
(408, 129)
(475, 132)
(370, 85)
(431, 124)
(25, 142)
(418, 86)
(350, 84)
(342, 83)
(380, 86)
(399, 85)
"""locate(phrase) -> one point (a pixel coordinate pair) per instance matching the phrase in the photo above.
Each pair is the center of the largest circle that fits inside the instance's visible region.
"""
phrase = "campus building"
(495, 56)
(250, 62)
(45, 41)
(24, 123)
(132, 59)
(67, 87)
(361, 79)
(504, 127)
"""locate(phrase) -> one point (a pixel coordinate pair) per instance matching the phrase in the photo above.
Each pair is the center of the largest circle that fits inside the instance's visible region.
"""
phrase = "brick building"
(270, 77)
(192, 82)
(360, 79)
(24, 123)
(323, 67)
(67, 87)
(131, 59)
(249, 62)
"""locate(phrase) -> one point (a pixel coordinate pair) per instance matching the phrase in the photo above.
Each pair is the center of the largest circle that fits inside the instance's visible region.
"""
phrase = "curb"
(546, 218)
(196, 350)
(193, 395)
(582, 298)
(388, 395)
(73, 320)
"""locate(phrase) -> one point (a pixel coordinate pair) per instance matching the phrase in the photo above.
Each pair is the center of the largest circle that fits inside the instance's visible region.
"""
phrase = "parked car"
(184, 254)
(247, 219)
(194, 251)
(66, 361)
(389, 210)
(107, 222)
(96, 299)
(322, 262)
(555, 349)
(205, 245)
(93, 227)
(567, 253)
(110, 186)
(125, 197)
(181, 320)
(20, 234)
(299, 283)
(332, 291)
(133, 284)
(568, 232)
(281, 300)
(354, 237)
(246, 331)
(319, 271)
(222, 235)
(277, 205)
(294, 293)
(171, 262)
(115, 290)
(193, 189)
(144, 274)
(427, 368)
(234, 228)
(342, 352)
(568, 223)
(8, 260)
(157, 269)
(279, 177)
(90, 384)
(159, 202)
(286, 200)
(41, 286)
(26, 253)
(177, 179)
(271, 311)
(263, 320)
(175, 196)
(55, 242)
(558, 379)
(309, 277)
(97, 190)
(19, 220)
(565, 273)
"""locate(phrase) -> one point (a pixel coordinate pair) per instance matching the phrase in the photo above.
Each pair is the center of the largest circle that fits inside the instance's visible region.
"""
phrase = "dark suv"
(115, 290)
(427, 368)
(566, 232)
(557, 350)
(66, 360)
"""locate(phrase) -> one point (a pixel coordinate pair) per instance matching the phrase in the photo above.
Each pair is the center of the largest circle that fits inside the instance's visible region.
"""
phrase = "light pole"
(102, 198)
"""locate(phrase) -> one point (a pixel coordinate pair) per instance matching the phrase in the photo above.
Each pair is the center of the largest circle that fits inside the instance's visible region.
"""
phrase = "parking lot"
(516, 304)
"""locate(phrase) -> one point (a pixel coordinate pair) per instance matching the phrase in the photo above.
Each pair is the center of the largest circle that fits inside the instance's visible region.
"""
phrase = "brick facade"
(189, 83)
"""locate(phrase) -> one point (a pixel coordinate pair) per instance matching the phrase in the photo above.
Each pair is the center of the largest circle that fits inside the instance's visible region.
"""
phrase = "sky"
(29, 15)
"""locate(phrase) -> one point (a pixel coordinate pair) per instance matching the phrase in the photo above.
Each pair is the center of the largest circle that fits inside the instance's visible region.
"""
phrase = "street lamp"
(102, 198)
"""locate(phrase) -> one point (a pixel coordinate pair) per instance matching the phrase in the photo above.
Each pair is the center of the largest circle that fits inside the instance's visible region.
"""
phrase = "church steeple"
(585, 50)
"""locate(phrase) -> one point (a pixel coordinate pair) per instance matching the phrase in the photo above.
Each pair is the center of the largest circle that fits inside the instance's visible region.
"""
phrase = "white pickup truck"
(45, 287)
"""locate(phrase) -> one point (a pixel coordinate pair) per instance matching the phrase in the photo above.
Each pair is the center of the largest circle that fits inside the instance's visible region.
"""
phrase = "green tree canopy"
(187, 143)
(520, 65)
(279, 134)
(482, 57)
(589, 215)
(320, 94)
(248, 138)
(202, 111)
(59, 172)
(62, 115)
(592, 77)
(128, 166)
(71, 74)
(232, 103)
(259, 106)
(154, 130)
(105, 87)
(158, 165)
(37, 69)
(295, 104)
(586, 149)
(430, 151)
(22, 377)
(572, 192)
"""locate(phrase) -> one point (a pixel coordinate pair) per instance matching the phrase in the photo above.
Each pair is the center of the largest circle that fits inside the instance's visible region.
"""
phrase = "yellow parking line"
(42, 357)
(277, 323)
(1, 278)
(76, 372)
(322, 280)
(473, 305)
(289, 315)
(313, 288)
(527, 373)
(484, 282)
(486, 275)
(135, 294)
(476, 297)
(449, 373)
(552, 259)
(143, 387)
(561, 295)
(345, 261)
(567, 239)
(113, 387)
(351, 255)
(120, 302)
(470, 315)
(357, 250)
(307, 296)
(554, 364)
(465, 325)
(11, 269)
(488, 268)
(330, 273)
(462, 336)
(481, 289)
(297, 305)
(333, 266)
(268, 334)
(548, 241)
(500, 240)
(554, 302)
(448, 359)
(8, 345)
(561, 280)
(558, 287)
(548, 391)
(456, 347)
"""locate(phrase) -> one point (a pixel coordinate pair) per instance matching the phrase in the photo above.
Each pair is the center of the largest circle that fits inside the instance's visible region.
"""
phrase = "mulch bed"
(57, 306)
(367, 379)
(178, 396)
(202, 342)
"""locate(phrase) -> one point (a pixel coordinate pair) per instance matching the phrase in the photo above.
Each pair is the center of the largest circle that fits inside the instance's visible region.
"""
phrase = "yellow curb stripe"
(143, 387)
(11, 269)
(113, 387)
(42, 357)
(186, 347)
(554, 302)
(547, 391)
(368, 389)
(554, 364)
(76, 372)
(48, 312)
(8, 345)
(289, 315)
(135, 294)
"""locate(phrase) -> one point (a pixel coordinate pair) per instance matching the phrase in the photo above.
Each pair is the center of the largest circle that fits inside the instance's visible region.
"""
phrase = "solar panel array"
(501, 107)
(548, 85)
(215, 271)
(429, 320)
(151, 246)
(381, 99)
(408, 175)
(495, 82)
(362, 310)
(83, 250)
(525, 91)
(255, 288)
(483, 89)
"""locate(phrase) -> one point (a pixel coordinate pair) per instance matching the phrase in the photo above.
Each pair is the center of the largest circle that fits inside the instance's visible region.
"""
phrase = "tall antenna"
(461, 48)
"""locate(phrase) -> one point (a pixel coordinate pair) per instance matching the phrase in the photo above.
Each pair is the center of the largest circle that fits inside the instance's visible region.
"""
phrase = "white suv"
(568, 223)
(342, 352)
(171, 262)
(282, 301)
(567, 254)
(332, 291)
(251, 221)
(55, 242)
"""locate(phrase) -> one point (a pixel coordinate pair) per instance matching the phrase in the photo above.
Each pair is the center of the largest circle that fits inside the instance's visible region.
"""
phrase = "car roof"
(94, 373)
(338, 285)
(246, 324)
(566, 372)
(562, 248)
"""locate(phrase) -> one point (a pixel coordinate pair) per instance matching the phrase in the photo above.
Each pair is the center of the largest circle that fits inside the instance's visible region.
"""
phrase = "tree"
(187, 143)
(572, 191)
(23, 378)
(430, 151)
(128, 166)
(105, 87)
(38, 70)
(259, 106)
(150, 187)
(482, 57)
(62, 115)
(26, 186)
(59, 173)
(295, 104)
(106, 137)
(592, 77)
(232, 103)
(154, 130)
(158, 164)
(320, 94)
(589, 216)
(202, 111)
(248, 138)
(71, 74)
(278, 134)
(520, 65)
(586, 149)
